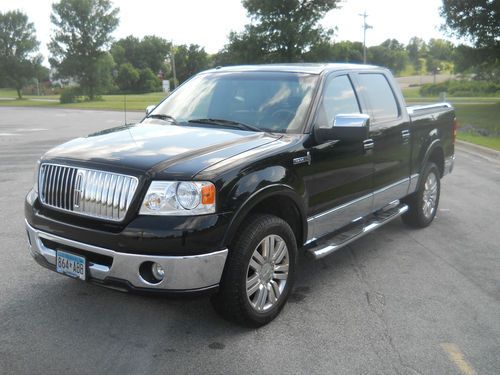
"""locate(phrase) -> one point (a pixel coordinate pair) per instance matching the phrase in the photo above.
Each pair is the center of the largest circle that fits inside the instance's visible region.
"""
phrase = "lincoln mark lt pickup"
(224, 183)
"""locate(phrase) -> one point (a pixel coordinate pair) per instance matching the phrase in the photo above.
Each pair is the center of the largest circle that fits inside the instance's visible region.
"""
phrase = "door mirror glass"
(149, 109)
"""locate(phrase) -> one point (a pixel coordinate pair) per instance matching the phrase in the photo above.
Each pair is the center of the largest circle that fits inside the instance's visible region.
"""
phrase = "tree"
(281, 30)
(344, 51)
(477, 20)
(127, 78)
(417, 50)
(82, 33)
(390, 54)
(189, 60)
(18, 46)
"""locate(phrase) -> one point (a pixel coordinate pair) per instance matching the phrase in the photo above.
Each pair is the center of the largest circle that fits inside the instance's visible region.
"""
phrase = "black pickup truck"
(224, 183)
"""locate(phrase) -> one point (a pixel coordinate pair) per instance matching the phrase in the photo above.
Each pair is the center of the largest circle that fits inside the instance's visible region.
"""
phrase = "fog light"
(158, 271)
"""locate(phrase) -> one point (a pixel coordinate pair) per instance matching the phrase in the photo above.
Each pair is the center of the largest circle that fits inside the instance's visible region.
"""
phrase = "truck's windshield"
(271, 101)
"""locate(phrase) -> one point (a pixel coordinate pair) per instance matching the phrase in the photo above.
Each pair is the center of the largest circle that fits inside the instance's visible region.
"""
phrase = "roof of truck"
(308, 68)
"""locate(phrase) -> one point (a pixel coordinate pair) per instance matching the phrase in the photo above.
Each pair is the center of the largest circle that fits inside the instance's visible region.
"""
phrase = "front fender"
(252, 189)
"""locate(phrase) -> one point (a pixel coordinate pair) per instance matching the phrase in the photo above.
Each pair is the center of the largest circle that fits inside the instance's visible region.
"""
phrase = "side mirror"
(149, 109)
(346, 127)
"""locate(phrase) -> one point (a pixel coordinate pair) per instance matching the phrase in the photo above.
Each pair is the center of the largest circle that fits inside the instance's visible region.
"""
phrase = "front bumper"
(123, 270)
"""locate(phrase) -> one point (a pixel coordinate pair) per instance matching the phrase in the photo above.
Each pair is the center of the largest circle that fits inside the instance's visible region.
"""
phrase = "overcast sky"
(208, 22)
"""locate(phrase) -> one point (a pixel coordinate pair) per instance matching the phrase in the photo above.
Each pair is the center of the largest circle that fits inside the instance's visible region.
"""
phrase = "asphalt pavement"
(398, 301)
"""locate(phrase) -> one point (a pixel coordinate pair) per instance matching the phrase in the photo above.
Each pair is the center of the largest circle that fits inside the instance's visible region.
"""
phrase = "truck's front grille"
(86, 192)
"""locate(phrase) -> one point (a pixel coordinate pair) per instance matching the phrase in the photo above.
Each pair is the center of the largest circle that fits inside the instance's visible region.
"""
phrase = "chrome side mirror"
(149, 109)
(352, 119)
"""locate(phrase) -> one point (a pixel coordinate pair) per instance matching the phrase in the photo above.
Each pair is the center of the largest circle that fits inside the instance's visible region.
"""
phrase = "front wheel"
(259, 272)
(423, 204)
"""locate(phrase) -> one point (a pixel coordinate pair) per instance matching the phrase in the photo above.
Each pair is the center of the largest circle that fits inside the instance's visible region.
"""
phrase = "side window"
(380, 96)
(338, 98)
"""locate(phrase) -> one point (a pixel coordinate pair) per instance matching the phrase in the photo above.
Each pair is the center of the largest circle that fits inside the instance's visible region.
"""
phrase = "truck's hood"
(155, 148)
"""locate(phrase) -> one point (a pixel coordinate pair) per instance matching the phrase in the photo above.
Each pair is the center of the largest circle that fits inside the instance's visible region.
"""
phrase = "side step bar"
(324, 247)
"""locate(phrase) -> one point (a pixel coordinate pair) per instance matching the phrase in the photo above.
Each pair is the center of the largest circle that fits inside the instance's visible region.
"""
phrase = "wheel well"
(284, 208)
(437, 157)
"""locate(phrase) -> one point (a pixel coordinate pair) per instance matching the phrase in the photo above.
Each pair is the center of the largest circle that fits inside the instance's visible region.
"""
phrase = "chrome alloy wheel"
(267, 273)
(429, 198)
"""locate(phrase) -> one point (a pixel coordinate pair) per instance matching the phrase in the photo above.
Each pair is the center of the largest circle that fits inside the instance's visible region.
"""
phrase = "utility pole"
(365, 27)
(172, 59)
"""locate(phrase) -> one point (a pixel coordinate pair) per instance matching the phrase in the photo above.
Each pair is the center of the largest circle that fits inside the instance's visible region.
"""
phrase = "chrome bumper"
(448, 165)
(195, 272)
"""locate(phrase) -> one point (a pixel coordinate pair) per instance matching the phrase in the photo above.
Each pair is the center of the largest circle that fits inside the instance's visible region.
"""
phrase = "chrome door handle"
(368, 144)
(405, 136)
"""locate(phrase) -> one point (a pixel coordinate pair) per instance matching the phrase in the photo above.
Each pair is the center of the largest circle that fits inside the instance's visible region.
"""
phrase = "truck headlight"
(179, 198)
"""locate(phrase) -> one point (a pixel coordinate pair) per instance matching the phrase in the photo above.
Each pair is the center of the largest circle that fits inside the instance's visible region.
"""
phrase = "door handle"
(405, 136)
(368, 144)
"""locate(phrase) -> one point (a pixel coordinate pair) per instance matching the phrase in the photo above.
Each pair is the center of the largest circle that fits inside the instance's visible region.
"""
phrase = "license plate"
(71, 265)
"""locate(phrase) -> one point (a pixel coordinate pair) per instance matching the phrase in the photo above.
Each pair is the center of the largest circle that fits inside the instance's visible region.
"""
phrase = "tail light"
(455, 129)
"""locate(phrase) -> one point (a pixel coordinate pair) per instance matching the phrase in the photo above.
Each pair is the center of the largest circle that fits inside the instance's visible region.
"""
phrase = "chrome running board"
(323, 247)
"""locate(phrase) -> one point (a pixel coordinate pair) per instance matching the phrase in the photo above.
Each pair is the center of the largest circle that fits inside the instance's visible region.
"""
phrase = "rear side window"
(380, 96)
(338, 98)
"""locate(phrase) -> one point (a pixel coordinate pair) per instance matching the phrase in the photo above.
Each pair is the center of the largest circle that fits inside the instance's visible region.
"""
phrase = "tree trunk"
(19, 93)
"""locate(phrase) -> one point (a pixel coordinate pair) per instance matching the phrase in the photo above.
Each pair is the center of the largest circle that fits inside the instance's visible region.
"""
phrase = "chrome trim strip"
(413, 183)
(346, 238)
(449, 163)
(415, 108)
(390, 193)
(181, 272)
(337, 217)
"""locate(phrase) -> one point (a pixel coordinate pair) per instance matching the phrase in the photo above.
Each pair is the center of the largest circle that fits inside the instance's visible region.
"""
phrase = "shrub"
(70, 95)
(461, 88)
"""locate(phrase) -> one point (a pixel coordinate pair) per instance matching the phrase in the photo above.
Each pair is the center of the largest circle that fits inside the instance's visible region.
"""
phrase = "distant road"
(405, 82)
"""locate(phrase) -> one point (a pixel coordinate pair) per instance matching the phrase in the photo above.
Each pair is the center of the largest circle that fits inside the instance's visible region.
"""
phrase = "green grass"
(136, 102)
(490, 142)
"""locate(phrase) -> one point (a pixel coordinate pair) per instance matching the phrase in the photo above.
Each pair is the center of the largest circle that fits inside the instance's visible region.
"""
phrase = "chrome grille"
(86, 192)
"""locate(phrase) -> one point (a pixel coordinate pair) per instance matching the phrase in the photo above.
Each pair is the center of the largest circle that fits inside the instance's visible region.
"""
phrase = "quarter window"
(380, 96)
(338, 98)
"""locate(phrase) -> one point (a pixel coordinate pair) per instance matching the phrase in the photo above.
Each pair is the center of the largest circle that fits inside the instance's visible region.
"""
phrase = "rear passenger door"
(390, 133)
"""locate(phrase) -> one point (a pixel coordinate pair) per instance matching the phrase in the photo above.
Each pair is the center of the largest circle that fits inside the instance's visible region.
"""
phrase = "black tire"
(232, 301)
(417, 216)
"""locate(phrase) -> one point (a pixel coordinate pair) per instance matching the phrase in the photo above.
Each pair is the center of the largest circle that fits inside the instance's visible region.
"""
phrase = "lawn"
(136, 102)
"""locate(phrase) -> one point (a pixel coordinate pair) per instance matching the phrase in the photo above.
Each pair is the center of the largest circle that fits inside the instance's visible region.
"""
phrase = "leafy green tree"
(18, 46)
(391, 54)
(82, 34)
(477, 20)
(148, 81)
(417, 50)
(189, 60)
(281, 30)
(150, 52)
(127, 78)
(344, 51)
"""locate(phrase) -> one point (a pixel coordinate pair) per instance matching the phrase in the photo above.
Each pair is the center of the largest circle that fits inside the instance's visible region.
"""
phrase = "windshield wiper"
(163, 117)
(228, 123)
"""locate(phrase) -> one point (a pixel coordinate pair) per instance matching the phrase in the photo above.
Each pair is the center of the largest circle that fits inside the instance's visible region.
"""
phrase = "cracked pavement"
(386, 304)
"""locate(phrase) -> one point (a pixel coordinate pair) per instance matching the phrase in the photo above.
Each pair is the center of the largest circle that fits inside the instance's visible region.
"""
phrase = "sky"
(208, 22)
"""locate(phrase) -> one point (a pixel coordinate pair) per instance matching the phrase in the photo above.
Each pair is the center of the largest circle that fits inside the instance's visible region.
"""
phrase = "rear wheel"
(424, 202)
(259, 272)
